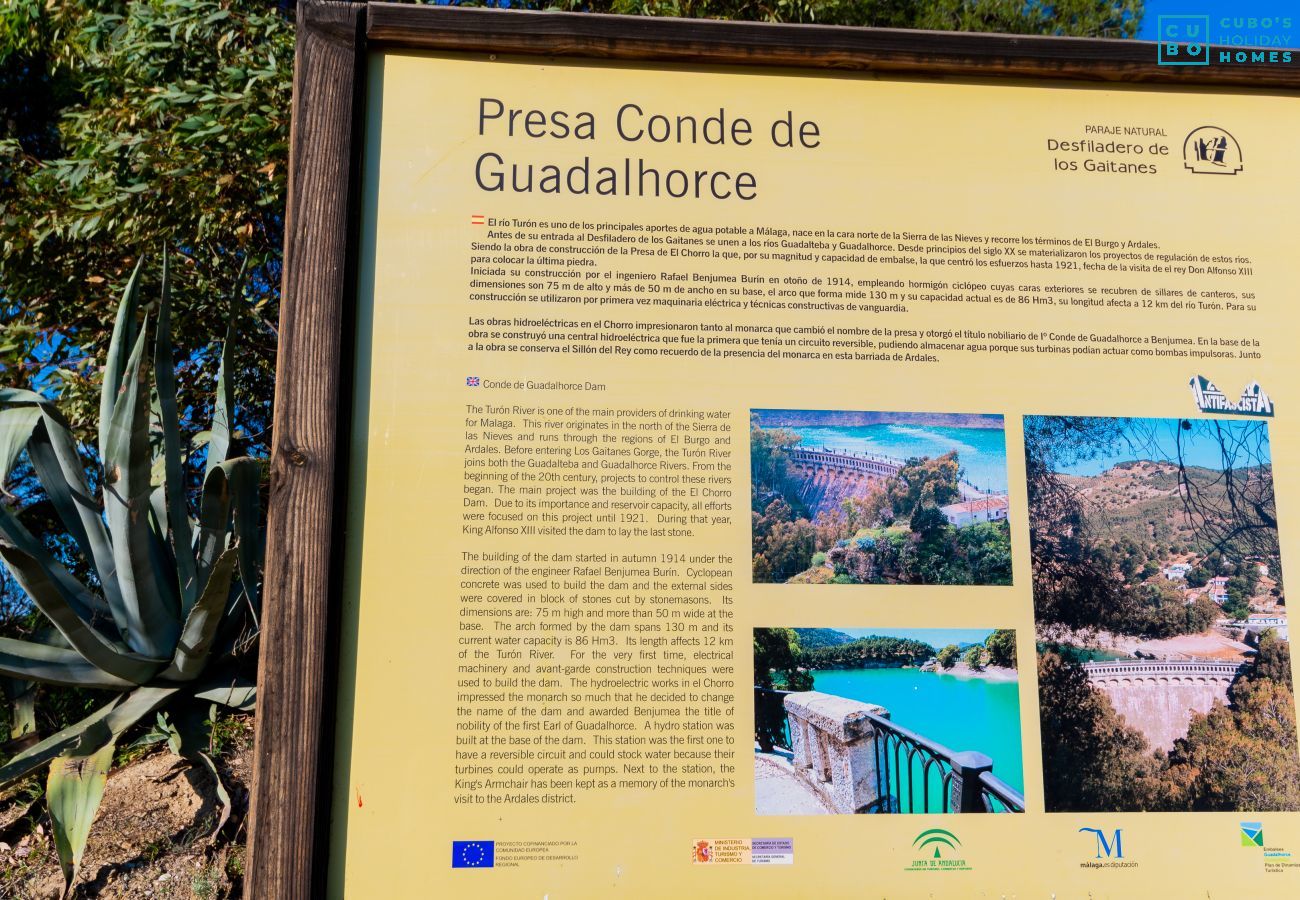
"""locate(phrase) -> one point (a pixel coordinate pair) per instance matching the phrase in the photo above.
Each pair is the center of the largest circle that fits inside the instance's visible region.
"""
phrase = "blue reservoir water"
(982, 451)
(960, 713)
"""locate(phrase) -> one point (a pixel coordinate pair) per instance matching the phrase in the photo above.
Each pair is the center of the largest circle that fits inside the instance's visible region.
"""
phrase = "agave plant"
(170, 600)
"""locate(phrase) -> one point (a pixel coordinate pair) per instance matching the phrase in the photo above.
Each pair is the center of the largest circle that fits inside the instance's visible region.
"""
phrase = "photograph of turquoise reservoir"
(886, 721)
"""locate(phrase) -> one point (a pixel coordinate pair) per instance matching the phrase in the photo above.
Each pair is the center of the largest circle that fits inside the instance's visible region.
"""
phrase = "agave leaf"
(73, 794)
(118, 347)
(117, 716)
(223, 408)
(83, 638)
(223, 796)
(177, 515)
(214, 518)
(54, 665)
(195, 644)
(152, 624)
(236, 695)
(16, 424)
(13, 531)
(54, 457)
(245, 477)
(22, 710)
(33, 758)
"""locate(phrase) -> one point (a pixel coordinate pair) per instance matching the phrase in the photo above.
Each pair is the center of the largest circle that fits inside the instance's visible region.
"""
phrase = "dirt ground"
(1210, 645)
(150, 839)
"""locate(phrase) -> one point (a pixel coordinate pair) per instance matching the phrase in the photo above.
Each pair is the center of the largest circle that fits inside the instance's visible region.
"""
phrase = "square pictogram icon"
(1183, 40)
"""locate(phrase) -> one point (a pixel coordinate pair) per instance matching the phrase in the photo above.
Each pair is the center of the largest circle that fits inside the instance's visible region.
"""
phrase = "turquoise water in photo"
(982, 451)
(960, 713)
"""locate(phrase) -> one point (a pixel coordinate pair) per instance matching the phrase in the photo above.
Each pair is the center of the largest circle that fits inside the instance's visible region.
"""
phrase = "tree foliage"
(1001, 646)
(1092, 760)
(1241, 756)
(1089, 18)
(1094, 567)
(777, 660)
(163, 124)
(867, 652)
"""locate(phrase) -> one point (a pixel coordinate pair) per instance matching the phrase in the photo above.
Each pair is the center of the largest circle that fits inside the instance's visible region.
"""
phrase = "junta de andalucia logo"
(938, 850)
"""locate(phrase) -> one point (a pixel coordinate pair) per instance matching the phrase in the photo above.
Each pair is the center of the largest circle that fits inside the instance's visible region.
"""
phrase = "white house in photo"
(1177, 572)
(992, 508)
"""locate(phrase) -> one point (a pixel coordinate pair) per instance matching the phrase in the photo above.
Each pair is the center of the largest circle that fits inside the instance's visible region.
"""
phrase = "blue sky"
(1156, 440)
(935, 637)
(1229, 32)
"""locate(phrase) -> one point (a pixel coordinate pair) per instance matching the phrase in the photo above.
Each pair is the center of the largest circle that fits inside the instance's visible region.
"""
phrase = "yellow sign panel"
(869, 480)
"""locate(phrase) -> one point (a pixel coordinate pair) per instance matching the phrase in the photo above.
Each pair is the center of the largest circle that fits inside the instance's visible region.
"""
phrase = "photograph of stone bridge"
(879, 498)
(857, 720)
(1164, 667)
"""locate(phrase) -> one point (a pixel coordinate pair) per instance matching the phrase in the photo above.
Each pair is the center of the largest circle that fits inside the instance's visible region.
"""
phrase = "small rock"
(23, 852)
(4, 848)
(164, 877)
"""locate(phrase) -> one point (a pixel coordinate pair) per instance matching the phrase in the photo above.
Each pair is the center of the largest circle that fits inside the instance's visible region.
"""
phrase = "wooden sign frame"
(293, 764)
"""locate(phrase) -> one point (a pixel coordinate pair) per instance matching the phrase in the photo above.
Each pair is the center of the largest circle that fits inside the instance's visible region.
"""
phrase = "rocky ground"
(151, 838)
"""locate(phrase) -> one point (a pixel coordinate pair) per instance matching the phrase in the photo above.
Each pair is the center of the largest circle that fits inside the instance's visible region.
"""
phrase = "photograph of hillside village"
(1164, 662)
(921, 720)
(878, 498)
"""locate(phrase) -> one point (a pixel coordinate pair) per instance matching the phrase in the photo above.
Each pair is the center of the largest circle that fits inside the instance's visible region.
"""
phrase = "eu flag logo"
(473, 854)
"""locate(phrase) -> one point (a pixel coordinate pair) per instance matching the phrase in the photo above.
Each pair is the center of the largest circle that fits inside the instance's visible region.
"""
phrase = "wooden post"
(291, 756)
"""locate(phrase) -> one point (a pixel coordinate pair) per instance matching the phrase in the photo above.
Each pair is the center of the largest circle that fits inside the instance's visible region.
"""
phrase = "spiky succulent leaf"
(54, 665)
(223, 796)
(54, 457)
(177, 516)
(73, 794)
(119, 714)
(13, 532)
(80, 634)
(213, 535)
(245, 476)
(119, 346)
(224, 406)
(238, 695)
(36, 757)
(195, 644)
(152, 622)
(16, 424)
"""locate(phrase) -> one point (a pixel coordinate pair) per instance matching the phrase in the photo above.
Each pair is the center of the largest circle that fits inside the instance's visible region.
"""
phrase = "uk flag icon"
(471, 381)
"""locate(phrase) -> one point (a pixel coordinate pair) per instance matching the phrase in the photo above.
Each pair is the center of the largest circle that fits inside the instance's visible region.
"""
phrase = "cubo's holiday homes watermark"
(1202, 40)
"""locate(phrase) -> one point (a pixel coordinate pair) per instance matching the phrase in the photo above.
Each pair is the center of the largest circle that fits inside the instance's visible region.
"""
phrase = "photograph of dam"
(1164, 662)
(845, 497)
